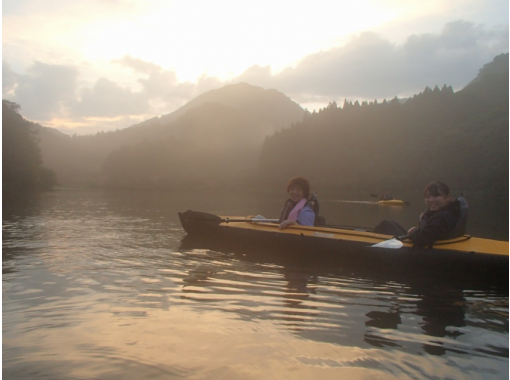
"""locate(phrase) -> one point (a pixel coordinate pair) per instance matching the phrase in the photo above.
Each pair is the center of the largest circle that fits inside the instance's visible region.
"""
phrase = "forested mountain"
(461, 138)
(270, 106)
(188, 144)
(498, 66)
(22, 168)
(244, 135)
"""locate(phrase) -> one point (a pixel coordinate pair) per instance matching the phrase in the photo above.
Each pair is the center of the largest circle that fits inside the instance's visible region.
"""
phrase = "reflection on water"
(108, 285)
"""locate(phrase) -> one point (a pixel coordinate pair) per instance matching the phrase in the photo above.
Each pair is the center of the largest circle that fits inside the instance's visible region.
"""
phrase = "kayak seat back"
(319, 221)
(460, 227)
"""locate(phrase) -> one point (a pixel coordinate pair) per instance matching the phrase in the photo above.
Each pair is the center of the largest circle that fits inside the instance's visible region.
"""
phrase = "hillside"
(242, 134)
(22, 168)
(460, 137)
(212, 142)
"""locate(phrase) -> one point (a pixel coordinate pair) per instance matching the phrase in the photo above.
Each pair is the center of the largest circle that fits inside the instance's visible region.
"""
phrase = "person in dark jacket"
(386, 196)
(439, 219)
(437, 222)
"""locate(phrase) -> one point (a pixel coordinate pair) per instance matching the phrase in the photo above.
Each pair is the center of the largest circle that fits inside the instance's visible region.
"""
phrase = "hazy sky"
(87, 65)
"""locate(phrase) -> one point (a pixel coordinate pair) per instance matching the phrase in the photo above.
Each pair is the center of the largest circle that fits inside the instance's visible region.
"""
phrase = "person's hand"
(286, 223)
(411, 230)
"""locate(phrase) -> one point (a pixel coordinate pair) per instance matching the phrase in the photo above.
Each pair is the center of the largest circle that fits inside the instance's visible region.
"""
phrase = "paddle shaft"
(252, 220)
(211, 218)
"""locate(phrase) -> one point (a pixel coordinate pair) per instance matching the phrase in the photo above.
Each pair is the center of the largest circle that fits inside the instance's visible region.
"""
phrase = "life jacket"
(312, 202)
(462, 208)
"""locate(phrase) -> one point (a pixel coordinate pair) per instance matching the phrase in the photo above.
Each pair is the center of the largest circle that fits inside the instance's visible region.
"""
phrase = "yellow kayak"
(466, 256)
(266, 231)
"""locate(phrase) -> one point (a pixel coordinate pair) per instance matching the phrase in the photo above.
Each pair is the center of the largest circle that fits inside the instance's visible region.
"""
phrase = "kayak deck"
(464, 243)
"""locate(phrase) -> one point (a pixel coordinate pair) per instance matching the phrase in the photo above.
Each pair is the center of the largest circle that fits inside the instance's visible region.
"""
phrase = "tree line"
(461, 138)
(22, 168)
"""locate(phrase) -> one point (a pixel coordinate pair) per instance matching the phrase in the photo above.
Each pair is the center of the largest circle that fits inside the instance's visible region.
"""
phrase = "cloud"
(159, 84)
(46, 91)
(257, 74)
(163, 84)
(161, 87)
(108, 99)
(9, 79)
(370, 67)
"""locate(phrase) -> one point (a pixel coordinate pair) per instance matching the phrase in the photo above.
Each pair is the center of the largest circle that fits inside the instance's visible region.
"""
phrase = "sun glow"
(220, 39)
(224, 39)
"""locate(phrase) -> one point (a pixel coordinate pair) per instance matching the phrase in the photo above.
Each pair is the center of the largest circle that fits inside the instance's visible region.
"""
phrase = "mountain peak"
(238, 95)
(498, 66)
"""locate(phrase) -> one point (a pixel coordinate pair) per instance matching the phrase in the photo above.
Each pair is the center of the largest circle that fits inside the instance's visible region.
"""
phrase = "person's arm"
(306, 216)
(286, 223)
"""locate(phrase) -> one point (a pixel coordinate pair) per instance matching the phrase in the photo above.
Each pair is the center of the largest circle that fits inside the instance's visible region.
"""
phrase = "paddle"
(206, 217)
(257, 219)
(394, 243)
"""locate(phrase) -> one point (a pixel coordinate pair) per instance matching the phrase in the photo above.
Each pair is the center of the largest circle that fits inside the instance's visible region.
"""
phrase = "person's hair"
(302, 183)
(437, 188)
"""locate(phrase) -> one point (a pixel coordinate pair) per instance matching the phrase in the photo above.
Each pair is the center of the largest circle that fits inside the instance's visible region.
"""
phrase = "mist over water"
(100, 284)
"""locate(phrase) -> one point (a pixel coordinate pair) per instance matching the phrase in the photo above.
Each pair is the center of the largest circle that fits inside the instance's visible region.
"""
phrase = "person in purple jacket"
(299, 208)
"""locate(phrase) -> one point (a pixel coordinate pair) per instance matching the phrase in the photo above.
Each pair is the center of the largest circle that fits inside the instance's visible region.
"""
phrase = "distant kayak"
(390, 202)
(393, 202)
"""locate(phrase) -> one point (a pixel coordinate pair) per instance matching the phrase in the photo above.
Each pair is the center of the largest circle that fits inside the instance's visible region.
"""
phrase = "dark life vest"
(312, 202)
(454, 215)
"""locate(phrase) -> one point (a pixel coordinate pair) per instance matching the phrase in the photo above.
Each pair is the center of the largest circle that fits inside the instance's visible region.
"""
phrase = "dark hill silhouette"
(498, 66)
(460, 137)
(212, 142)
(22, 169)
(488, 87)
(236, 117)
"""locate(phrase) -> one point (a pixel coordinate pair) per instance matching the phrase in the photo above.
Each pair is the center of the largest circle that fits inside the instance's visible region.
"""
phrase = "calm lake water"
(105, 285)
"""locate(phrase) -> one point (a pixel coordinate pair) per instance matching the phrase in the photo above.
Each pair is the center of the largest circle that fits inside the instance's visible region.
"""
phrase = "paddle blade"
(392, 244)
